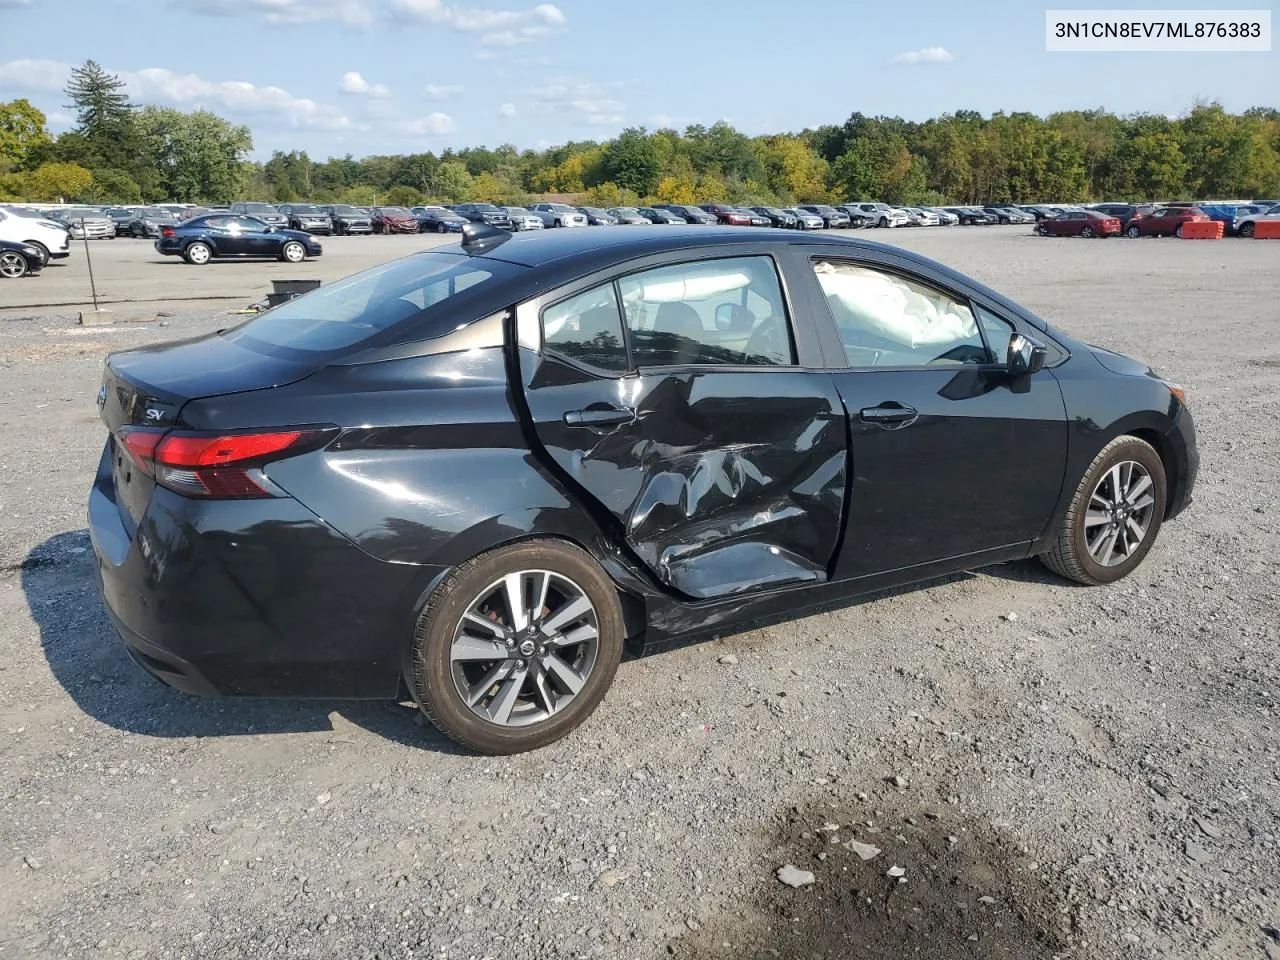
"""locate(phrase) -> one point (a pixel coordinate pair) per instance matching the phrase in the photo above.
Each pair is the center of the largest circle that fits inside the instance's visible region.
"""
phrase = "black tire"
(293, 252)
(198, 253)
(1042, 230)
(44, 251)
(884, 222)
(1133, 231)
(1246, 230)
(428, 670)
(1070, 557)
(13, 265)
(1178, 233)
(1086, 232)
(442, 227)
(1004, 220)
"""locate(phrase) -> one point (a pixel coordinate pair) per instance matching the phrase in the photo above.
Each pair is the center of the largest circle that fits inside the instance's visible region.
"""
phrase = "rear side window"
(587, 328)
(352, 311)
(724, 312)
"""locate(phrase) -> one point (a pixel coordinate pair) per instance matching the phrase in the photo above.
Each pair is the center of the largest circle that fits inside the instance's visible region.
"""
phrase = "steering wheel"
(769, 339)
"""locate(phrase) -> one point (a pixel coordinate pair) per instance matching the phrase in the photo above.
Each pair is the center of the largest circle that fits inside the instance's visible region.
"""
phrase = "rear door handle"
(889, 414)
(600, 416)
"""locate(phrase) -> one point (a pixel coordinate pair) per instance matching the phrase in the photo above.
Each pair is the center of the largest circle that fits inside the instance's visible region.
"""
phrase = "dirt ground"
(1096, 777)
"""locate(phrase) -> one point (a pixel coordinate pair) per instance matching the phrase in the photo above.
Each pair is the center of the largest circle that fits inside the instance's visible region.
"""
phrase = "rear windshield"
(359, 308)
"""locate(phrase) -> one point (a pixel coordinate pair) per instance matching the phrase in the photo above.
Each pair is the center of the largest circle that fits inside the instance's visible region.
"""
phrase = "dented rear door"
(721, 479)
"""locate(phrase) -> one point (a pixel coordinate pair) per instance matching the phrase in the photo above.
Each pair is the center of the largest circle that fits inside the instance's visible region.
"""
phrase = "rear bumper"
(252, 597)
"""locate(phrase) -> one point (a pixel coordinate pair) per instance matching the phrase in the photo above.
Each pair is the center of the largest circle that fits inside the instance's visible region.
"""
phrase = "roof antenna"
(482, 237)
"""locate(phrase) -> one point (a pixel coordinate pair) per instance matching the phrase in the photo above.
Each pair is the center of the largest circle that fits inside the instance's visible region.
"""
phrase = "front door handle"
(600, 416)
(892, 414)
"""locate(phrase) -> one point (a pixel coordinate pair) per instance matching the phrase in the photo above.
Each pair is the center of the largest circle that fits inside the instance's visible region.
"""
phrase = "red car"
(1079, 223)
(1165, 221)
(393, 220)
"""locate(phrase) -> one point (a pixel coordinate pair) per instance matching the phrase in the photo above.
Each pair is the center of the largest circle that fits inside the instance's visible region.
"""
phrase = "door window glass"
(587, 328)
(724, 312)
(889, 321)
(998, 331)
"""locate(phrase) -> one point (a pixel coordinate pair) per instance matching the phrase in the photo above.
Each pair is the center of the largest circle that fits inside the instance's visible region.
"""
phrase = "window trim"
(529, 326)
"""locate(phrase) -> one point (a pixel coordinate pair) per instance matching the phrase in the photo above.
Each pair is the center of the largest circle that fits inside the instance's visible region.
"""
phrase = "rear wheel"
(293, 252)
(44, 251)
(517, 647)
(1086, 232)
(1114, 517)
(13, 265)
(198, 253)
(1246, 230)
(1134, 231)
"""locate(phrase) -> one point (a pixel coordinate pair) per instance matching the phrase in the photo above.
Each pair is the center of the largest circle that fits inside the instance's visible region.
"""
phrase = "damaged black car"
(482, 471)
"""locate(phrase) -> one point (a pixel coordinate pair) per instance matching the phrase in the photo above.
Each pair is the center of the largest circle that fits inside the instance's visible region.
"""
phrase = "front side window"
(587, 328)
(888, 321)
(707, 312)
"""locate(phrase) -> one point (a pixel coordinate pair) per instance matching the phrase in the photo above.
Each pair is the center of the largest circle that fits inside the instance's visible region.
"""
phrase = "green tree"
(403, 196)
(197, 157)
(104, 117)
(58, 183)
(631, 161)
(22, 131)
(453, 182)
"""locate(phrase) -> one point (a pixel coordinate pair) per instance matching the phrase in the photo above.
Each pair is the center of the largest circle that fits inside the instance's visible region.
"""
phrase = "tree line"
(121, 153)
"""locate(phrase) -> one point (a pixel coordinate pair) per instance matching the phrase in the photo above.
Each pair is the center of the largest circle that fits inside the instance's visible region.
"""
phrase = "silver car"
(558, 215)
(86, 222)
(522, 219)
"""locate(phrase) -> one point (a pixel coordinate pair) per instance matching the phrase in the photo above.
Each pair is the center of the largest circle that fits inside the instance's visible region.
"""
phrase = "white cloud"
(14, 4)
(589, 102)
(507, 110)
(543, 17)
(441, 91)
(925, 55)
(38, 75)
(512, 38)
(473, 20)
(432, 125)
(354, 83)
(237, 97)
(354, 12)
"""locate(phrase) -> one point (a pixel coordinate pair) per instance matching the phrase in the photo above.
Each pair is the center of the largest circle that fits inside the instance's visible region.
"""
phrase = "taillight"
(220, 466)
(168, 232)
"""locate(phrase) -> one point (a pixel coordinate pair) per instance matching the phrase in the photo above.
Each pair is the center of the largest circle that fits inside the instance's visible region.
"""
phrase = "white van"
(52, 239)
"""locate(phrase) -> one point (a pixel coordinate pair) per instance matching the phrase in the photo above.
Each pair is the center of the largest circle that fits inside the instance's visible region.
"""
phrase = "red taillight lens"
(211, 465)
(168, 232)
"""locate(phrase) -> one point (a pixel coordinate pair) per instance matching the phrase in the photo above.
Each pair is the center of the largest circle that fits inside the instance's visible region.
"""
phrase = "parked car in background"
(923, 216)
(1164, 222)
(1124, 212)
(804, 219)
(84, 222)
(393, 220)
(1007, 214)
(660, 215)
(597, 217)
(945, 217)
(120, 217)
(882, 215)
(832, 218)
(491, 523)
(232, 235)
(438, 220)
(628, 216)
(728, 215)
(1244, 226)
(522, 219)
(486, 213)
(776, 216)
(857, 217)
(19, 260)
(347, 219)
(149, 221)
(50, 237)
(688, 212)
(266, 212)
(191, 212)
(304, 216)
(1079, 223)
(559, 215)
(179, 210)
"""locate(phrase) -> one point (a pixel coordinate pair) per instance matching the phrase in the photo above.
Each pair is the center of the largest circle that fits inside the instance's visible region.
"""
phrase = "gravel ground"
(1046, 770)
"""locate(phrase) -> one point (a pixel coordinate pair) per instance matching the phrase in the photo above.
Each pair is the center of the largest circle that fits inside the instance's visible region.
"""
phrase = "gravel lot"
(1060, 771)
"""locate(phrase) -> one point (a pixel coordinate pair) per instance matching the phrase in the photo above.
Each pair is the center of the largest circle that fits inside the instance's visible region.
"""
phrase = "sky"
(337, 77)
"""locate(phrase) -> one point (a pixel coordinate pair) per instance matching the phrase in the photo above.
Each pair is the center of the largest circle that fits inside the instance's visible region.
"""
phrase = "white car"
(52, 239)
(1243, 226)
(883, 215)
(559, 215)
(924, 217)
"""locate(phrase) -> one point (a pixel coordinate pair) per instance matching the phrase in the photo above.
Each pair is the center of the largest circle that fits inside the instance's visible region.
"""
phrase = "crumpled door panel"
(726, 481)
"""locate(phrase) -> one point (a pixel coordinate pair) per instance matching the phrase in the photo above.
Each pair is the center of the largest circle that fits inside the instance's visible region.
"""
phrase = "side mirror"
(733, 317)
(1026, 356)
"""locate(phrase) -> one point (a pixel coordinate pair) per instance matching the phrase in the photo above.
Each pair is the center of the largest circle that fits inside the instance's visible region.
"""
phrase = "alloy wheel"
(1246, 230)
(524, 648)
(1087, 232)
(12, 265)
(1119, 513)
(294, 252)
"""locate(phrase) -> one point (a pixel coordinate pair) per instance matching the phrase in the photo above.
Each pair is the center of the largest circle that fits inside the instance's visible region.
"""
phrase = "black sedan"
(482, 470)
(149, 222)
(305, 217)
(689, 213)
(438, 220)
(229, 235)
(19, 260)
(348, 219)
(776, 216)
(660, 215)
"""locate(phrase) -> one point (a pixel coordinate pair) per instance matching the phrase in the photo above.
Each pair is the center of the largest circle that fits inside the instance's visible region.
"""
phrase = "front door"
(672, 401)
(951, 455)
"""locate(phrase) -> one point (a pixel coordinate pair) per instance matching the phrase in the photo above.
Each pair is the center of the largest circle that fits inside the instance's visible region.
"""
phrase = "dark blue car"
(438, 220)
(233, 235)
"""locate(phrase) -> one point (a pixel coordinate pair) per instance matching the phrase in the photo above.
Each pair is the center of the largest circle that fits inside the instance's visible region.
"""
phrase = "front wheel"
(1134, 232)
(293, 252)
(1114, 516)
(884, 222)
(1178, 233)
(44, 251)
(442, 228)
(13, 265)
(516, 647)
(1246, 230)
(198, 253)
(1042, 230)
